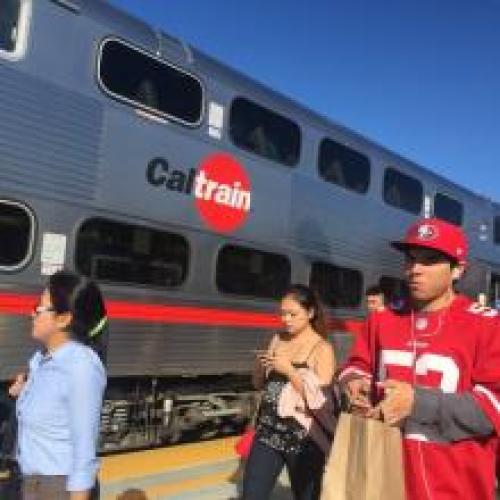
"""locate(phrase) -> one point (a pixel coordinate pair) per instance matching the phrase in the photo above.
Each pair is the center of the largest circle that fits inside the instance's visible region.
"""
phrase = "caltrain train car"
(194, 195)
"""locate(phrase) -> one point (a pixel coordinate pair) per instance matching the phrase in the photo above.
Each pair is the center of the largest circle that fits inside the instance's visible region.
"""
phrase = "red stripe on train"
(180, 315)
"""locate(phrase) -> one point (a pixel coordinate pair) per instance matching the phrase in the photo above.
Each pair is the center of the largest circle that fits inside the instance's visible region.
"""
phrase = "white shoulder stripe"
(491, 397)
(352, 369)
(478, 309)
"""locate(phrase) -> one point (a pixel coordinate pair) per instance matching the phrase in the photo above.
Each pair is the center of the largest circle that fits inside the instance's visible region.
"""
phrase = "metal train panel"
(70, 152)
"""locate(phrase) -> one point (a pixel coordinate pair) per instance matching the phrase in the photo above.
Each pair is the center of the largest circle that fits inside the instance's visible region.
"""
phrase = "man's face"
(375, 302)
(429, 274)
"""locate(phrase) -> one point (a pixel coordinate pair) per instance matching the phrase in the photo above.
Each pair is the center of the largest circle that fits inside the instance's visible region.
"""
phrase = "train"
(194, 195)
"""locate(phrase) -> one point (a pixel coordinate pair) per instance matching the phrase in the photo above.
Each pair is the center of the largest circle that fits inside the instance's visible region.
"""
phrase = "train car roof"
(137, 31)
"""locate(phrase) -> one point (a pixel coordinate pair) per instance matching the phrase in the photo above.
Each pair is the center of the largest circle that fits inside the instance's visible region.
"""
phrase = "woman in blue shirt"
(59, 405)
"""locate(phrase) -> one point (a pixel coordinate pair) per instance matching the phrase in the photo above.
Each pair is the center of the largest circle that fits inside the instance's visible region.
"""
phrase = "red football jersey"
(456, 350)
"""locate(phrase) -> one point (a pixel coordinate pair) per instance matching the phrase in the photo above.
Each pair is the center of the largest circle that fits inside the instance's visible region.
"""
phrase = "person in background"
(375, 298)
(432, 367)
(284, 441)
(59, 403)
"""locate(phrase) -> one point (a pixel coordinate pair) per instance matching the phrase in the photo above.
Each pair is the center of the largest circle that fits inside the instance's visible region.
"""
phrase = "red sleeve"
(486, 371)
(359, 361)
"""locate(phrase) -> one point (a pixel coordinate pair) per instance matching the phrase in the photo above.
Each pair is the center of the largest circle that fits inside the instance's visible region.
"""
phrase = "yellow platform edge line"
(150, 462)
(185, 486)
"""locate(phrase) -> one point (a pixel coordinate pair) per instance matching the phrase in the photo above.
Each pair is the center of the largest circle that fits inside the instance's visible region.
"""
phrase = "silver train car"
(194, 196)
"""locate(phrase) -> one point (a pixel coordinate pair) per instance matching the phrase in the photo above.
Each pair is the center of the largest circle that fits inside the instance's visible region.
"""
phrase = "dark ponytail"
(309, 300)
(71, 293)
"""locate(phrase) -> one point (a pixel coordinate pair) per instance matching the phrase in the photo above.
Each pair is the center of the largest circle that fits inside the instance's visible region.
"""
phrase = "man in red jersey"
(437, 361)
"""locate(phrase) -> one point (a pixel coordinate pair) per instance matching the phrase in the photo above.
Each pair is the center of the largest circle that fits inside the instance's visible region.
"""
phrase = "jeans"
(265, 464)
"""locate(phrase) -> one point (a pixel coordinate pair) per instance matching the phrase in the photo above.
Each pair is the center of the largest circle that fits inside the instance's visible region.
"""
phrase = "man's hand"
(358, 391)
(397, 404)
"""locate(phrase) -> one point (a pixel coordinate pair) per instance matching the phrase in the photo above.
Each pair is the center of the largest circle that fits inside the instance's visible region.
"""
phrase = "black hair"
(309, 300)
(82, 298)
(374, 290)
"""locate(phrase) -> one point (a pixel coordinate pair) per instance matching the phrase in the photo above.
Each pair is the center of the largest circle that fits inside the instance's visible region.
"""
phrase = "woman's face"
(295, 317)
(46, 322)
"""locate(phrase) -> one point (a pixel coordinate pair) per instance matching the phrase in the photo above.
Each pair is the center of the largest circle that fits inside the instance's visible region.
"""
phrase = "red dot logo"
(223, 193)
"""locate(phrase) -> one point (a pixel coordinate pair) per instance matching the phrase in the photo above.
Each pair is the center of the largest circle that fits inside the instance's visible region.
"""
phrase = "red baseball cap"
(437, 235)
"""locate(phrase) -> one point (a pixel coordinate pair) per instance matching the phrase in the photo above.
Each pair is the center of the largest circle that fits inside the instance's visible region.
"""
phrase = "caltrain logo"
(220, 186)
(427, 232)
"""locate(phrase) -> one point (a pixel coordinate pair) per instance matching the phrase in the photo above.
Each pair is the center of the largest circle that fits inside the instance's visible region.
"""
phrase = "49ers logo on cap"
(220, 186)
(223, 193)
(427, 232)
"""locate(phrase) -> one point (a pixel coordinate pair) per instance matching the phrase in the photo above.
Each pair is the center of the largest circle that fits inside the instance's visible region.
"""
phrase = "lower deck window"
(337, 286)
(124, 253)
(252, 273)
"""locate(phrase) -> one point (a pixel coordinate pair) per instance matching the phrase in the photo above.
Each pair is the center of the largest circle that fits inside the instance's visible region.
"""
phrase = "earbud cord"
(414, 377)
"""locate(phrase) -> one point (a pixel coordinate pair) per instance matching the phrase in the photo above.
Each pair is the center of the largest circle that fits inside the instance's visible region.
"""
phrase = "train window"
(13, 23)
(264, 132)
(448, 209)
(344, 166)
(402, 191)
(496, 230)
(337, 286)
(17, 228)
(130, 74)
(252, 273)
(393, 288)
(123, 253)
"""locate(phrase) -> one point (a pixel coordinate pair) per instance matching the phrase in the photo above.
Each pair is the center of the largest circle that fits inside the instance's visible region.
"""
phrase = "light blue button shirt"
(58, 415)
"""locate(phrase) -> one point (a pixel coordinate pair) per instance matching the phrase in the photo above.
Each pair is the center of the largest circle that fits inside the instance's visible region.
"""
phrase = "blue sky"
(421, 77)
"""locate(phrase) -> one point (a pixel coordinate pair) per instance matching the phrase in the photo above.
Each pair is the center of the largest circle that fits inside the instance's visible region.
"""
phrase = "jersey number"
(424, 363)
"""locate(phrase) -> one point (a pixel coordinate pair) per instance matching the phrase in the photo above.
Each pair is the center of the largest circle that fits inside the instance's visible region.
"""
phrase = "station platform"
(208, 470)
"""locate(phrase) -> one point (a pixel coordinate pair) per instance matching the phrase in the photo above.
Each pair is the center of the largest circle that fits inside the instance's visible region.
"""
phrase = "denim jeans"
(265, 464)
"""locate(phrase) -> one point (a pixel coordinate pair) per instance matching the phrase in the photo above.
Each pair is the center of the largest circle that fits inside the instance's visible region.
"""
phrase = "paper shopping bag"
(366, 462)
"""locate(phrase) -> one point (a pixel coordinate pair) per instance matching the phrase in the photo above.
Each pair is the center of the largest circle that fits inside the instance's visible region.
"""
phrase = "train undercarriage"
(149, 412)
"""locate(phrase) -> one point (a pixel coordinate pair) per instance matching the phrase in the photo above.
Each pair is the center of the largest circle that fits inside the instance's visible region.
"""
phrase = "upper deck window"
(131, 75)
(448, 209)
(124, 253)
(403, 191)
(344, 166)
(16, 234)
(13, 23)
(252, 273)
(264, 132)
(496, 230)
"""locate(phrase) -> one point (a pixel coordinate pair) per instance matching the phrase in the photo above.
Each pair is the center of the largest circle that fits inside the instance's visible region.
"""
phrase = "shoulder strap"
(313, 350)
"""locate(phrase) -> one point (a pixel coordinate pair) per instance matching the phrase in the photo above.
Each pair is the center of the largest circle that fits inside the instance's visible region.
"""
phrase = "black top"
(282, 434)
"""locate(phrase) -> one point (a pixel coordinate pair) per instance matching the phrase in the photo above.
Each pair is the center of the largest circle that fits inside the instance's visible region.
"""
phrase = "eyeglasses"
(38, 310)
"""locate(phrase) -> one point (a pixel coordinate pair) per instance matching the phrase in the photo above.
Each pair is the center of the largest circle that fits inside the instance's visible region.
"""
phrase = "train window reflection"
(264, 132)
(344, 166)
(16, 235)
(252, 273)
(10, 12)
(448, 209)
(130, 74)
(402, 191)
(337, 286)
(122, 253)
